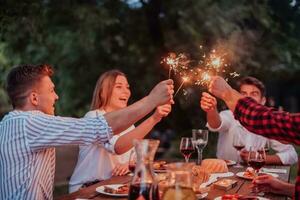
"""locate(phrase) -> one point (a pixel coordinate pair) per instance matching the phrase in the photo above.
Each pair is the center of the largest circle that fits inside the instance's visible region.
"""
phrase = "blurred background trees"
(84, 38)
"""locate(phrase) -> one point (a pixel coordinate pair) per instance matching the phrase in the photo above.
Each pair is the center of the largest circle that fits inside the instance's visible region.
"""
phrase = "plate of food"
(230, 162)
(159, 166)
(116, 190)
(239, 197)
(248, 174)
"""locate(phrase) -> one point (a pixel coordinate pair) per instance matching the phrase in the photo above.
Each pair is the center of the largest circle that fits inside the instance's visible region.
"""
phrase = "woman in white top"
(95, 162)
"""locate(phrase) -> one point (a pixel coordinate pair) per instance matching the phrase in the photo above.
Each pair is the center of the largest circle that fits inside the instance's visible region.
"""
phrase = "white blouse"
(95, 161)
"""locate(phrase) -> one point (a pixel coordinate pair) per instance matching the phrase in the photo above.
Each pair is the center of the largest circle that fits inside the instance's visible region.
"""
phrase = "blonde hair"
(104, 87)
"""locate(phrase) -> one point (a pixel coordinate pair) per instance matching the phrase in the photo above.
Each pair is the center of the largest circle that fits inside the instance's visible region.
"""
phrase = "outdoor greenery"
(83, 38)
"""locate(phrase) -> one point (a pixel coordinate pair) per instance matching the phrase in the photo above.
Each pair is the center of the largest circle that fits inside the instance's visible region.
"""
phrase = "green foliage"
(82, 39)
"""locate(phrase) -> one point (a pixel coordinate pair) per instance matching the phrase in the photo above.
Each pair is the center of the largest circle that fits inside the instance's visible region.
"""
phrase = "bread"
(199, 176)
(214, 166)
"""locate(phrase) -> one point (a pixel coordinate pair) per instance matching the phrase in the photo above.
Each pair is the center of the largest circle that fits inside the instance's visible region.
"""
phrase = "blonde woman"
(95, 162)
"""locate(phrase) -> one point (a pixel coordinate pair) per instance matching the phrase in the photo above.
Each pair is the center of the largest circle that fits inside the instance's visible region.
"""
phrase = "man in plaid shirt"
(264, 121)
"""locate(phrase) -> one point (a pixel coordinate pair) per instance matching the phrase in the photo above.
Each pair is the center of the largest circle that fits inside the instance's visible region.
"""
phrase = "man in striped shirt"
(261, 120)
(29, 133)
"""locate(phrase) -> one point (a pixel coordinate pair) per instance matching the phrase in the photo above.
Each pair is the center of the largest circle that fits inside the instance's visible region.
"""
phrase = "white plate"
(230, 162)
(241, 175)
(259, 198)
(202, 196)
(100, 189)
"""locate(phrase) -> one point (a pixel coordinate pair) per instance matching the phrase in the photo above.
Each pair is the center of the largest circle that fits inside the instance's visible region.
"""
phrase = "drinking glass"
(200, 138)
(132, 161)
(267, 146)
(238, 144)
(187, 147)
(256, 159)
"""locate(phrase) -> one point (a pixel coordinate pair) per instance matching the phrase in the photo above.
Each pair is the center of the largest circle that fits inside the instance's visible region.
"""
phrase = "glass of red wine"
(132, 161)
(256, 159)
(238, 144)
(187, 147)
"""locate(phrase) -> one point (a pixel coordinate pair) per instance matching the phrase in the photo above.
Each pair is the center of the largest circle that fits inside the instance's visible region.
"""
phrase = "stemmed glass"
(238, 144)
(200, 138)
(187, 147)
(267, 146)
(256, 159)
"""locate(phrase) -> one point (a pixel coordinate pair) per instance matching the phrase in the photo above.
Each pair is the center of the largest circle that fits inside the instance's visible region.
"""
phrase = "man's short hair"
(22, 78)
(249, 80)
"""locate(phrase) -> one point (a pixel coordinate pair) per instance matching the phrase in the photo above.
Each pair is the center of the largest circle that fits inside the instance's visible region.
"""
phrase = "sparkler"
(184, 79)
(176, 63)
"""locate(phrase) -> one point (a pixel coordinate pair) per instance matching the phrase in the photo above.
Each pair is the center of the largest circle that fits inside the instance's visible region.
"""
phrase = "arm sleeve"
(44, 131)
(225, 122)
(285, 152)
(268, 122)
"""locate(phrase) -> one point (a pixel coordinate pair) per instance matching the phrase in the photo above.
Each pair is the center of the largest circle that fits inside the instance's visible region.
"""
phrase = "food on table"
(214, 166)
(225, 184)
(120, 190)
(159, 165)
(249, 173)
(199, 175)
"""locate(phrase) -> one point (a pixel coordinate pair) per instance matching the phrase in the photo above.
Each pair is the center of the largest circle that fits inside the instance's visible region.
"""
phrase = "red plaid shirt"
(270, 123)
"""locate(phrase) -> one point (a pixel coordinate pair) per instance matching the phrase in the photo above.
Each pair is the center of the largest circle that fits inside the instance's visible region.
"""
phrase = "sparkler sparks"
(176, 63)
(211, 64)
(184, 79)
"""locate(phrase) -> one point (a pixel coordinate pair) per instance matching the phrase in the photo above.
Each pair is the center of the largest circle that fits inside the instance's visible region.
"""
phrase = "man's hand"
(208, 102)
(162, 111)
(120, 170)
(162, 93)
(219, 87)
(268, 183)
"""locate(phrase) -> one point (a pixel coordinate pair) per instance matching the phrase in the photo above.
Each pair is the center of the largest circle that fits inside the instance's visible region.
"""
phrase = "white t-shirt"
(229, 126)
(95, 161)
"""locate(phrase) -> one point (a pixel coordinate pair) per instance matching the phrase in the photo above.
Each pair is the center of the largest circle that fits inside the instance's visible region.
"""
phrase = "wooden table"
(243, 187)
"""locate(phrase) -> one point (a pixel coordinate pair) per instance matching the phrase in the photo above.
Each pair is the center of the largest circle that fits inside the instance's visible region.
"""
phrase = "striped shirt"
(270, 123)
(27, 153)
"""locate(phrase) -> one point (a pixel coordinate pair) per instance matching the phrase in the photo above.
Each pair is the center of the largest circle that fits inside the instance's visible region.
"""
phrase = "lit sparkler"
(184, 79)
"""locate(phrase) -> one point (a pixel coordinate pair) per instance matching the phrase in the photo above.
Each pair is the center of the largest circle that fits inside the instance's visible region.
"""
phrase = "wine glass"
(200, 138)
(256, 159)
(132, 161)
(187, 147)
(238, 144)
(267, 146)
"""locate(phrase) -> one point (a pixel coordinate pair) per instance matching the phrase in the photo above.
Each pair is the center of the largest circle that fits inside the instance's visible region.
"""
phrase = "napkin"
(273, 170)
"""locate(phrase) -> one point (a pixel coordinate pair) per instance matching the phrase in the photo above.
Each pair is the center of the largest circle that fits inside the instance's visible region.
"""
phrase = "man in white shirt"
(29, 133)
(227, 126)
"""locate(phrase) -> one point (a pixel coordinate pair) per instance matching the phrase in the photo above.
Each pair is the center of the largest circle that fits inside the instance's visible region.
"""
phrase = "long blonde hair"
(104, 87)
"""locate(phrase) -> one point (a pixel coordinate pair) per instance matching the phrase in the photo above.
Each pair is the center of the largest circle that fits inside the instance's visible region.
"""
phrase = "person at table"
(261, 120)
(29, 133)
(227, 126)
(96, 163)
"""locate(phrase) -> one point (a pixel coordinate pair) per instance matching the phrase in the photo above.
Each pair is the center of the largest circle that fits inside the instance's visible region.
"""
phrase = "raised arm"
(124, 142)
(208, 103)
(257, 118)
(119, 120)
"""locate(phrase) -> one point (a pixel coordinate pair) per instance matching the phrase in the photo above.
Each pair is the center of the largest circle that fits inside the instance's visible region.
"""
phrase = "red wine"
(187, 152)
(143, 190)
(131, 168)
(256, 164)
(239, 147)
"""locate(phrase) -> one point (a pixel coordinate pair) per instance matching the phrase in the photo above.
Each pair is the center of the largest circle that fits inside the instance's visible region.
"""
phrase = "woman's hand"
(268, 183)
(120, 170)
(162, 111)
